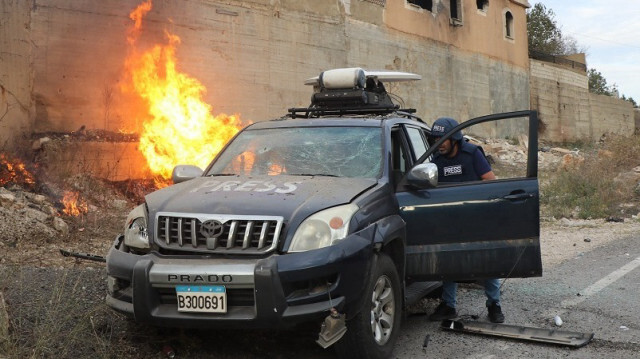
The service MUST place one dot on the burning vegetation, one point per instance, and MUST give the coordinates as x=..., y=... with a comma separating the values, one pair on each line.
x=73, y=204
x=14, y=171
x=181, y=127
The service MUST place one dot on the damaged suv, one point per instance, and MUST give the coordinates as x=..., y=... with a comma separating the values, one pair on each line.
x=331, y=214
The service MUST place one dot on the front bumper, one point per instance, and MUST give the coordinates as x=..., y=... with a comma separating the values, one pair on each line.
x=276, y=291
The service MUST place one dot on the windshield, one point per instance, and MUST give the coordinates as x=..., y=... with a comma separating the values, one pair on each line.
x=317, y=151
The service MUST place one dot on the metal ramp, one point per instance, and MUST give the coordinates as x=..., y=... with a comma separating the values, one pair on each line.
x=549, y=336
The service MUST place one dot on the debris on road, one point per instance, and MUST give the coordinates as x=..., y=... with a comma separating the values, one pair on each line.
x=550, y=336
x=169, y=352
x=557, y=321
x=426, y=342
x=91, y=257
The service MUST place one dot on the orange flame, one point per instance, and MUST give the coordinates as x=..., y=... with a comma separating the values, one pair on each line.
x=181, y=128
x=73, y=205
x=12, y=170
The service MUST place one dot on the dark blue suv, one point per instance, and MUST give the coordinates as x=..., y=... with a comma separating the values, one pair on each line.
x=331, y=214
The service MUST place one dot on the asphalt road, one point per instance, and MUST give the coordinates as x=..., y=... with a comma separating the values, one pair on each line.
x=596, y=292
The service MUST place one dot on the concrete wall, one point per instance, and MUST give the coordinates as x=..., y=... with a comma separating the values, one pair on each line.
x=568, y=111
x=114, y=161
x=253, y=57
x=17, y=111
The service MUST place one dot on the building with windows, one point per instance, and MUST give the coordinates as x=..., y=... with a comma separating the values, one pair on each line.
x=64, y=68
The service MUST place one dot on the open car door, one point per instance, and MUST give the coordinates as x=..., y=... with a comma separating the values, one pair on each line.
x=474, y=230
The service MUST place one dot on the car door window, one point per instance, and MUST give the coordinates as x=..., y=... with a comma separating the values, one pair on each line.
x=417, y=140
x=400, y=162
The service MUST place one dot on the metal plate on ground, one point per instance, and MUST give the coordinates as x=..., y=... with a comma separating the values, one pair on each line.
x=550, y=336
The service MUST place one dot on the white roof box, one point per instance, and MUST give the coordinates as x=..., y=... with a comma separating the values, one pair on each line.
x=355, y=77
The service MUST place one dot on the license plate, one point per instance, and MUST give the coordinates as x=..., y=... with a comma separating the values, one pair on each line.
x=202, y=299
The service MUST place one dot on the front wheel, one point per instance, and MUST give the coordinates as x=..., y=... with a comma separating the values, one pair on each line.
x=372, y=333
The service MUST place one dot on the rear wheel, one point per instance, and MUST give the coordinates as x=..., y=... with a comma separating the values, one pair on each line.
x=372, y=333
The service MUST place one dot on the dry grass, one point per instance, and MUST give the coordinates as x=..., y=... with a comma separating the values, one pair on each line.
x=596, y=188
x=57, y=320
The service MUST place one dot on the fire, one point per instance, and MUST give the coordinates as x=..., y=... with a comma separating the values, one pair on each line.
x=73, y=205
x=12, y=170
x=181, y=128
x=275, y=169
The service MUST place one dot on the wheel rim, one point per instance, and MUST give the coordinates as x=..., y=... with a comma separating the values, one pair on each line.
x=382, y=310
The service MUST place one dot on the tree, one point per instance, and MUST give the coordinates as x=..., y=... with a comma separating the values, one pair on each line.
x=543, y=32
x=598, y=84
x=545, y=35
x=630, y=99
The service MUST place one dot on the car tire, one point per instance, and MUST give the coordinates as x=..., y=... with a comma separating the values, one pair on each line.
x=372, y=333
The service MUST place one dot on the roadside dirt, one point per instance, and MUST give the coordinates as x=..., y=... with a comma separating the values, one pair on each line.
x=564, y=239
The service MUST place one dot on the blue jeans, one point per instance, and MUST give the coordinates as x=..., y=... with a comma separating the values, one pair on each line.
x=491, y=289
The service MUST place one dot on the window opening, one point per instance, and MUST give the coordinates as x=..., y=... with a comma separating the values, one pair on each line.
x=508, y=19
x=424, y=4
x=399, y=157
x=482, y=4
x=455, y=7
x=417, y=141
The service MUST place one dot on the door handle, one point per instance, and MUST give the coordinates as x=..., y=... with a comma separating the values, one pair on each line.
x=518, y=196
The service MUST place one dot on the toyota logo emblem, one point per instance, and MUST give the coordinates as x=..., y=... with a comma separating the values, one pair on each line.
x=211, y=228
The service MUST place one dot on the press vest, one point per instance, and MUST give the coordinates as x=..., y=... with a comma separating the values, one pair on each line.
x=459, y=168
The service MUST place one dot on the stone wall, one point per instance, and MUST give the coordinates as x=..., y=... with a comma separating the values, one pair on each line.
x=568, y=112
x=62, y=66
x=114, y=161
x=17, y=110
x=253, y=58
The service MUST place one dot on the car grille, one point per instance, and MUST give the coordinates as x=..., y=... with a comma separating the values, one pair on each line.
x=218, y=233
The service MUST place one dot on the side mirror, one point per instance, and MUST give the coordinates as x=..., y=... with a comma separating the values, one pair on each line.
x=424, y=175
x=183, y=173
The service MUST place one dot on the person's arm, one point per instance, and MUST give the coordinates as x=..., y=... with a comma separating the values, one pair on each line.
x=488, y=176
x=482, y=166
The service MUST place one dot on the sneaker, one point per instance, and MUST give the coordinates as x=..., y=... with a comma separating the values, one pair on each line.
x=443, y=312
x=495, y=313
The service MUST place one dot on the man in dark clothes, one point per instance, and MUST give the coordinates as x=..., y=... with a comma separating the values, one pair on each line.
x=460, y=161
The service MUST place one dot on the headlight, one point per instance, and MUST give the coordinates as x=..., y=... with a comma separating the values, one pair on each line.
x=135, y=229
x=323, y=229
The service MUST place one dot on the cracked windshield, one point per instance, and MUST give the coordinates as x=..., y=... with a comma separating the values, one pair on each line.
x=303, y=151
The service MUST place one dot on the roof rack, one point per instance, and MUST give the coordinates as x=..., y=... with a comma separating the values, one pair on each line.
x=307, y=112
x=353, y=91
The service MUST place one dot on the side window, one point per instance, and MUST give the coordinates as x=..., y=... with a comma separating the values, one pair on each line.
x=508, y=25
x=455, y=10
x=482, y=5
x=418, y=141
x=424, y=4
x=400, y=163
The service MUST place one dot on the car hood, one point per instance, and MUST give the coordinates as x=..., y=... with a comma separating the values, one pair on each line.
x=286, y=196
